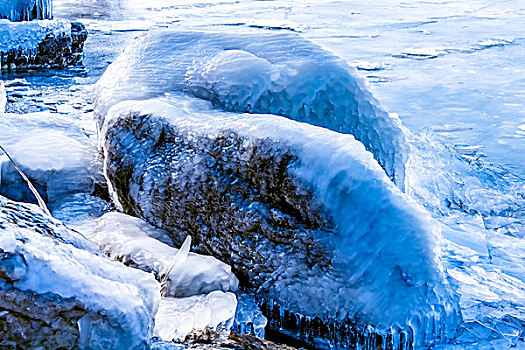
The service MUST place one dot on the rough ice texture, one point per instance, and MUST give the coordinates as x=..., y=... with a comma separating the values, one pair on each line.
x=56, y=155
x=26, y=10
x=276, y=73
x=303, y=214
x=249, y=319
x=47, y=43
x=58, y=291
x=178, y=317
x=136, y=243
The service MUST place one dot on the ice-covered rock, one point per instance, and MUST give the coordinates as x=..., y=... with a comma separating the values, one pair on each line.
x=178, y=317
x=26, y=10
x=276, y=73
x=56, y=155
x=304, y=215
x=35, y=44
x=138, y=244
x=58, y=291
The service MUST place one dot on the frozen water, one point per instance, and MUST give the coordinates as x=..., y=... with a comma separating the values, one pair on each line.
x=178, y=317
x=119, y=302
x=54, y=153
x=26, y=10
x=249, y=319
x=136, y=243
x=383, y=249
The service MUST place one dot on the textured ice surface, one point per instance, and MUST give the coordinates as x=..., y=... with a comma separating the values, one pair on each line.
x=304, y=213
x=27, y=36
x=280, y=73
x=114, y=305
x=138, y=244
x=53, y=152
x=249, y=319
x=26, y=10
x=178, y=317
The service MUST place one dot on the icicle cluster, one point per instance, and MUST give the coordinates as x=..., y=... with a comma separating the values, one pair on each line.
x=26, y=10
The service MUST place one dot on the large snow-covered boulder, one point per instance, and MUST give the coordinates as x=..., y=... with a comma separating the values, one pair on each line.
x=37, y=44
x=305, y=216
x=58, y=291
x=275, y=73
x=26, y=10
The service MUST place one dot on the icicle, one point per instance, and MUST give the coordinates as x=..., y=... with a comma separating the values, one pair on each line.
x=26, y=10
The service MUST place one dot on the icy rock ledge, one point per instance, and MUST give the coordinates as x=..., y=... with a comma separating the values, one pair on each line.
x=58, y=291
x=138, y=244
x=37, y=44
x=26, y=10
x=305, y=216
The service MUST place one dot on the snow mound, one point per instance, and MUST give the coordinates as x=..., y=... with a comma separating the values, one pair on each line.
x=46, y=268
x=26, y=10
x=57, y=156
x=275, y=73
x=136, y=243
x=303, y=213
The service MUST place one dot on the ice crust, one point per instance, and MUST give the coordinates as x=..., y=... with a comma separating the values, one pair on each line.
x=26, y=10
x=178, y=317
x=138, y=244
x=119, y=303
x=276, y=73
x=384, y=267
x=25, y=37
x=53, y=152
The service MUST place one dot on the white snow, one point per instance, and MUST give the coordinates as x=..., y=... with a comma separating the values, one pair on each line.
x=135, y=242
x=385, y=256
x=70, y=266
x=177, y=317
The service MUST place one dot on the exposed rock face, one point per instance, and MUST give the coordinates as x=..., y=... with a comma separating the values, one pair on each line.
x=37, y=44
x=58, y=292
x=304, y=215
